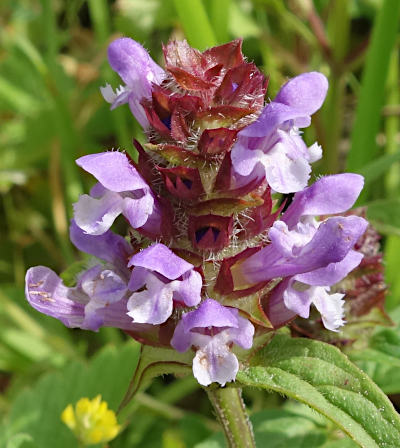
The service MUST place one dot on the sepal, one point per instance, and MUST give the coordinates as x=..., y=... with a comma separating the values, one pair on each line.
x=216, y=141
x=226, y=206
x=229, y=183
x=251, y=306
x=211, y=232
x=242, y=86
x=176, y=155
x=182, y=182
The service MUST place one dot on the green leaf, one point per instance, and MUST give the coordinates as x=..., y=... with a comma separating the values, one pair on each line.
x=387, y=377
x=216, y=441
x=381, y=360
x=25, y=334
x=155, y=361
x=70, y=275
x=21, y=440
x=322, y=377
x=193, y=430
x=377, y=356
x=341, y=443
x=276, y=428
x=17, y=98
x=36, y=412
x=384, y=214
x=374, y=170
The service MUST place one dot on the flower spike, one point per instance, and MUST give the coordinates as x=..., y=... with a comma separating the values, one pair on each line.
x=217, y=205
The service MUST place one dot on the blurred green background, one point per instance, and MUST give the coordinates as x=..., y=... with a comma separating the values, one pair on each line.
x=52, y=63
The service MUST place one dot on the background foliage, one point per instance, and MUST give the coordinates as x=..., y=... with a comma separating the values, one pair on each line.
x=52, y=63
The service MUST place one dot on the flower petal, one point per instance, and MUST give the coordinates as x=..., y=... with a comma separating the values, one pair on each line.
x=332, y=241
x=46, y=293
x=277, y=312
x=333, y=273
x=138, y=278
x=181, y=339
x=134, y=65
x=123, y=97
x=284, y=156
x=286, y=241
x=296, y=101
x=283, y=173
x=113, y=170
x=328, y=195
x=96, y=216
x=243, y=335
x=108, y=246
x=137, y=211
x=160, y=259
x=108, y=93
x=188, y=290
x=153, y=305
x=215, y=363
x=305, y=92
x=273, y=116
x=331, y=307
x=243, y=158
x=103, y=286
x=211, y=314
x=314, y=152
x=297, y=298
x=115, y=315
x=116, y=99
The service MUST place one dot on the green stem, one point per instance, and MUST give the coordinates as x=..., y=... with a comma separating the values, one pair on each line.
x=338, y=32
x=231, y=412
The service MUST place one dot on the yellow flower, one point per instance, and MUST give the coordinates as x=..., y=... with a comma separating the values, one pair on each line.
x=91, y=421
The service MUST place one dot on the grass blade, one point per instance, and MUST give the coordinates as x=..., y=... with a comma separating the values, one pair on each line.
x=375, y=169
x=219, y=14
x=368, y=113
x=195, y=23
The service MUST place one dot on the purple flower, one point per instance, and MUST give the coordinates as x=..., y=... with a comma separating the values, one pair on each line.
x=167, y=278
x=100, y=296
x=211, y=329
x=138, y=71
x=298, y=297
x=121, y=189
x=273, y=146
x=311, y=255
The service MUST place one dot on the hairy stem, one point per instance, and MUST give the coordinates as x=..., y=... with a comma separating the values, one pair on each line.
x=231, y=412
